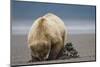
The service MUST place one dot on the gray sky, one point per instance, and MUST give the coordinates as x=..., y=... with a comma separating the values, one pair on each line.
x=76, y=17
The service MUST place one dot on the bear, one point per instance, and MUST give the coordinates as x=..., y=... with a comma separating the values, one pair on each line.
x=47, y=37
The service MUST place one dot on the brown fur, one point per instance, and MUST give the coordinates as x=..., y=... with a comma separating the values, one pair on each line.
x=46, y=39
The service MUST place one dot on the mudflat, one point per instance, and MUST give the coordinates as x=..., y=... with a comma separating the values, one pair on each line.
x=83, y=43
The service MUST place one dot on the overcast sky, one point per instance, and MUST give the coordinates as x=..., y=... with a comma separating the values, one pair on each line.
x=23, y=15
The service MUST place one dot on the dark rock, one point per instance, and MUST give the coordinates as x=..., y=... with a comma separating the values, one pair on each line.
x=69, y=47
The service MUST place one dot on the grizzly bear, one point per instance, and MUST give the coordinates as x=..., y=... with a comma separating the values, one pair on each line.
x=47, y=37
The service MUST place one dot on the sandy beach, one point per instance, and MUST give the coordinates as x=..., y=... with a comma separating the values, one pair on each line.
x=83, y=43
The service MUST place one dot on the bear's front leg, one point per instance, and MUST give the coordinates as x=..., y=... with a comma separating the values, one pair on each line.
x=55, y=49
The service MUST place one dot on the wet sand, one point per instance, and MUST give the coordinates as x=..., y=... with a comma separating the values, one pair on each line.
x=83, y=43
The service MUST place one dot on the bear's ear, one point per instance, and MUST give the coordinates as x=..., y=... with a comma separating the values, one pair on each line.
x=41, y=21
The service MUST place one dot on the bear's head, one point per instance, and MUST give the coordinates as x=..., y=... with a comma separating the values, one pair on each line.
x=40, y=50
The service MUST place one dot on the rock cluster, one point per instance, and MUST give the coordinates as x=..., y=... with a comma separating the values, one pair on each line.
x=68, y=52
